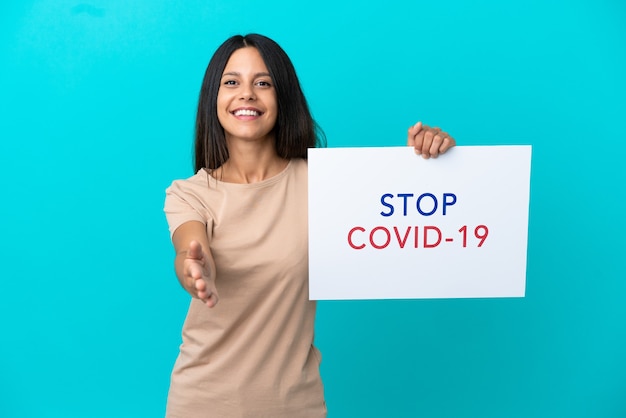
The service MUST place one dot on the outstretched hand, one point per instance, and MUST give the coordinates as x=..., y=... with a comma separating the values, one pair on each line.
x=198, y=278
x=429, y=142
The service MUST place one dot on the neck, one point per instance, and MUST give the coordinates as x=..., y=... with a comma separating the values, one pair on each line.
x=250, y=162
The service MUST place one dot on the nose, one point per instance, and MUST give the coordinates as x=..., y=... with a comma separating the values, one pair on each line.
x=247, y=93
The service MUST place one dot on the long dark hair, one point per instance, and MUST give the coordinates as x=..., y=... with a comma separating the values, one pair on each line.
x=295, y=129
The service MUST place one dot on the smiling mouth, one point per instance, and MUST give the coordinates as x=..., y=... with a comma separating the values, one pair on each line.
x=246, y=112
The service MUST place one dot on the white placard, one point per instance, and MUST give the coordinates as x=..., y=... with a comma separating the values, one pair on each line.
x=386, y=224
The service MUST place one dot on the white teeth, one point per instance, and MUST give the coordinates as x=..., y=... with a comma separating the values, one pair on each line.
x=246, y=112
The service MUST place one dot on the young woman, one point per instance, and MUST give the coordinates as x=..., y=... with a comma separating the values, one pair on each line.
x=239, y=228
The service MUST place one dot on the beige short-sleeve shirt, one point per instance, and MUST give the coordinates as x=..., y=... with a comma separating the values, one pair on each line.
x=252, y=355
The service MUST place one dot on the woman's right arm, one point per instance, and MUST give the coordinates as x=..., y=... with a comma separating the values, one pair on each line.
x=194, y=264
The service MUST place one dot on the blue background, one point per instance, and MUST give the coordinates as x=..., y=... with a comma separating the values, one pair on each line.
x=97, y=105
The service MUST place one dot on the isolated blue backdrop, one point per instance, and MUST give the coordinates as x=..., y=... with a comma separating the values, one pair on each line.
x=96, y=119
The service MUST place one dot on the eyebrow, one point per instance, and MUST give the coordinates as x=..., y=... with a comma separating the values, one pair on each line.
x=235, y=73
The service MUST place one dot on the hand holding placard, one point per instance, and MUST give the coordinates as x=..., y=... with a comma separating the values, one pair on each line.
x=429, y=142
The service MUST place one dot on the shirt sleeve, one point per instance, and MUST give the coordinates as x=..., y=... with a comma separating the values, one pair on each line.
x=183, y=203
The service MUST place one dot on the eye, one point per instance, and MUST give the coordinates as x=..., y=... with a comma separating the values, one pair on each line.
x=264, y=83
x=229, y=83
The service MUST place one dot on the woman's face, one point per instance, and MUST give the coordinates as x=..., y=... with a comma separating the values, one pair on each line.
x=246, y=99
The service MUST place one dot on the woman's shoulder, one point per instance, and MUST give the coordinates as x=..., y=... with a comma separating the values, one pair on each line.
x=299, y=167
x=198, y=180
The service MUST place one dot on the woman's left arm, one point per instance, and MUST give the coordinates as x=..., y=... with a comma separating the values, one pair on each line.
x=429, y=142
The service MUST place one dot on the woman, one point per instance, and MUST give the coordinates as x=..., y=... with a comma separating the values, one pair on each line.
x=239, y=228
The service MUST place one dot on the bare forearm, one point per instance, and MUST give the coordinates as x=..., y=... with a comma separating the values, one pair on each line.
x=179, y=268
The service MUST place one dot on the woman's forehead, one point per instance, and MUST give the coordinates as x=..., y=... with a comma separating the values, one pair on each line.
x=246, y=60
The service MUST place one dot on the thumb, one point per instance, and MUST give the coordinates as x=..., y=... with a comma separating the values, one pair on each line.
x=413, y=131
x=195, y=250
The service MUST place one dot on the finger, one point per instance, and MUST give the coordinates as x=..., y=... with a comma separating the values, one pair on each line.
x=204, y=295
x=195, y=270
x=208, y=296
x=194, y=286
x=413, y=130
x=419, y=140
x=200, y=285
x=441, y=143
x=212, y=300
x=433, y=150
x=202, y=290
x=195, y=250
x=436, y=145
x=427, y=143
x=448, y=143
